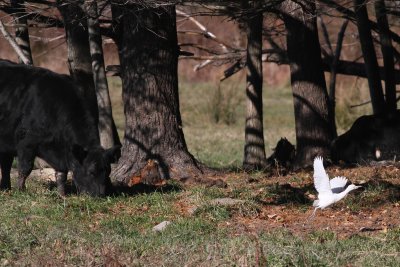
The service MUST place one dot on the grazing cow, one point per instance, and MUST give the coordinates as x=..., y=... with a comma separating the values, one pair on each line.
x=43, y=114
x=370, y=138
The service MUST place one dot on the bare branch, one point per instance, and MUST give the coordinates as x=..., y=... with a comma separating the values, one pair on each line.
x=200, y=47
x=201, y=33
x=230, y=56
x=326, y=35
x=202, y=65
x=14, y=44
x=203, y=28
x=235, y=68
x=351, y=16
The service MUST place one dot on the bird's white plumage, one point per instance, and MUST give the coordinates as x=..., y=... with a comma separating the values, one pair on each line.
x=338, y=184
x=329, y=191
x=321, y=179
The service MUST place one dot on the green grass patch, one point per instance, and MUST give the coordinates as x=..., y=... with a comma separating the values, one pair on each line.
x=37, y=226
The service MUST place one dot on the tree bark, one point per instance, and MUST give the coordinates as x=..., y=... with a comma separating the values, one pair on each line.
x=147, y=44
x=371, y=63
x=254, y=148
x=79, y=58
x=313, y=118
x=388, y=57
x=21, y=30
x=332, y=78
x=107, y=129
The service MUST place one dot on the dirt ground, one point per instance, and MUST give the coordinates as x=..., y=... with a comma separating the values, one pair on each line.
x=375, y=208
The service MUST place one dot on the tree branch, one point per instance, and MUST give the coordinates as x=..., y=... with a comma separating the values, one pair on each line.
x=351, y=15
x=14, y=44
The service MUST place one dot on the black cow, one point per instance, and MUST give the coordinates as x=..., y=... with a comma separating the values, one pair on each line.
x=44, y=114
x=370, y=138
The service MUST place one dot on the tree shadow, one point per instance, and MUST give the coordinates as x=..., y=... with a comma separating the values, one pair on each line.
x=373, y=194
x=376, y=192
x=284, y=194
x=119, y=189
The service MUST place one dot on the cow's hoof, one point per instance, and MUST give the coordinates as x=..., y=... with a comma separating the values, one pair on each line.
x=21, y=187
x=61, y=192
x=5, y=187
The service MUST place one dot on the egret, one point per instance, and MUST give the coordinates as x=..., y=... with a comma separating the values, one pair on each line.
x=329, y=191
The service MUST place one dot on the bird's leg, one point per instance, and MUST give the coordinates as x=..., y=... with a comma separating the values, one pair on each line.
x=312, y=216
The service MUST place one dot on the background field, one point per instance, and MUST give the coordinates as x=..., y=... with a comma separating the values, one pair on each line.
x=213, y=116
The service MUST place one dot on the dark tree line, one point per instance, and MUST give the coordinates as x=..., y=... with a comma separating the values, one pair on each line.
x=146, y=36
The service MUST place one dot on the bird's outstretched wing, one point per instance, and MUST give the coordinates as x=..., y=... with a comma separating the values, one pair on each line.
x=338, y=184
x=321, y=179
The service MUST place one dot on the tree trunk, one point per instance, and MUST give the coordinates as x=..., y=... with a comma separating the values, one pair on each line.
x=147, y=44
x=254, y=148
x=388, y=58
x=371, y=63
x=332, y=78
x=313, y=118
x=21, y=29
x=79, y=58
x=107, y=130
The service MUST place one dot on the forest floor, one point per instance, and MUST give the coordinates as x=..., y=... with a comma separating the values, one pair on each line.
x=256, y=220
x=286, y=202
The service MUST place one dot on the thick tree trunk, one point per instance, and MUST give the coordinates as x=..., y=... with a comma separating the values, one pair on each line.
x=147, y=43
x=254, y=148
x=107, y=130
x=21, y=29
x=313, y=118
x=388, y=57
x=371, y=63
x=79, y=58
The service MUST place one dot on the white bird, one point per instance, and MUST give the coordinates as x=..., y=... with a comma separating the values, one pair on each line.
x=329, y=191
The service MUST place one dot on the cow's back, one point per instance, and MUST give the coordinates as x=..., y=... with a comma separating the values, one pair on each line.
x=43, y=105
x=372, y=137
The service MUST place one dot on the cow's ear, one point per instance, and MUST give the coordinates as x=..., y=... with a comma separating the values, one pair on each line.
x=79, y=153
x=112, y=154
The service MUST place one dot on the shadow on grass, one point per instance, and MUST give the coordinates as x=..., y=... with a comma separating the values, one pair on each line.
x=286, y=194
x=268, y=172
x=120, y=189
x=373, y=194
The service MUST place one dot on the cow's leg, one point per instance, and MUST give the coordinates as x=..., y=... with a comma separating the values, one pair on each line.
x=6, y=163
x=61, y=179
x=26, y=157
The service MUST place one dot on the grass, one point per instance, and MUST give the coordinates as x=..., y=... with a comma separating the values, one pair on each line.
x=203, y=133
x=38, y=228
x=201, y=103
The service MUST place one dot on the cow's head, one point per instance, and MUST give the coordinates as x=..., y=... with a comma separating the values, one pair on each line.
x=91, y=169
x=344, y=148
